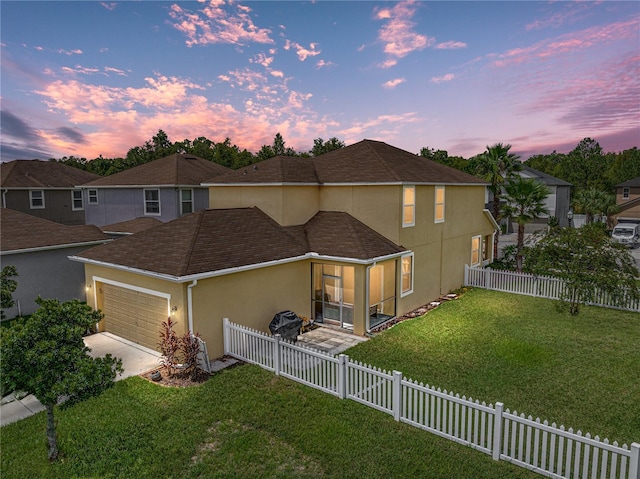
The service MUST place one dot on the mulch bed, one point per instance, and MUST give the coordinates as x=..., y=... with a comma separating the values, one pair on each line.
x=421, y=311
x=178, y=380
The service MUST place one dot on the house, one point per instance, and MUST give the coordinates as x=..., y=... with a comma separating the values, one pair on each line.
x=39, y=250
x=628, y=200
x=164, y=189
x=46, y=189
x=352, y=238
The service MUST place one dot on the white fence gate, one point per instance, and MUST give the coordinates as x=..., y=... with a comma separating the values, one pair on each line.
x=531, y=285
x=546, y=449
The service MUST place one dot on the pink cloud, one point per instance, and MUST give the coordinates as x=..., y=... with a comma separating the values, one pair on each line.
x=382, y=127
x=217, y=23
x=109, y=6
x=450, y=45
x=445, y=78
x=391, y=84
x=397, y=35
x=262, y=59
x=302, y=52
x=69, y=52
x=324, y=64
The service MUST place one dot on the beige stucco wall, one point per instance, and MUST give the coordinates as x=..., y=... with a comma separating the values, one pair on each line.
x=288, y=205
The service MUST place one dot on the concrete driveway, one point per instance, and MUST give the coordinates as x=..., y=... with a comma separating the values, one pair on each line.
x=136, y=359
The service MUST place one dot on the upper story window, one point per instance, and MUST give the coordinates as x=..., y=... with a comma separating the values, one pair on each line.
x=409, y=206
x=36, y=199
x=625, y=192
x=439, y=201
x=93, y=197
x=475, y=250
x=407, y=274
x=186, y=201
x=152, y=201
x=77, y=202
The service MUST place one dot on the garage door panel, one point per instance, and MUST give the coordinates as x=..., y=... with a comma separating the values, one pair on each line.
x=133, y=315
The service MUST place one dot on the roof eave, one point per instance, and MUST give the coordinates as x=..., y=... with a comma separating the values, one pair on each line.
x=53, y=247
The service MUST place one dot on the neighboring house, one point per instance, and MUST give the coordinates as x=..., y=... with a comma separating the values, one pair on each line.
x=39, y=250
x=164, y=189
x=558, y=203
x=46, y=189
x=628, y=200
x=352, y=238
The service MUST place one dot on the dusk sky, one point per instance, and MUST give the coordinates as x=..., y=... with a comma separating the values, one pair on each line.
x=97, y=78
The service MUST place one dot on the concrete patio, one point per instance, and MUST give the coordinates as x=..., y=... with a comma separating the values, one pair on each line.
x=329, y=340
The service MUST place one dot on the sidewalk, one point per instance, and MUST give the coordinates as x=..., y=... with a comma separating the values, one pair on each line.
x=136, y=359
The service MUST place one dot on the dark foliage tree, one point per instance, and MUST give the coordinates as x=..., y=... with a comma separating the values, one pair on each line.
x=8, y=287
x=589, y=262
x=46, y=356
x=321, y=147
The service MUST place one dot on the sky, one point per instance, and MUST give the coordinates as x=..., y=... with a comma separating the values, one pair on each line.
x=91, y=78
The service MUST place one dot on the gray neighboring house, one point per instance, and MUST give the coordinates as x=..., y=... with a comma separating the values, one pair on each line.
x=164, y=189
x=39, y=249
x=46, y=189
x=559, y=200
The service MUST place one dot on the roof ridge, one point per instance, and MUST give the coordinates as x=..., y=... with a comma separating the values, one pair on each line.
x=381, y=159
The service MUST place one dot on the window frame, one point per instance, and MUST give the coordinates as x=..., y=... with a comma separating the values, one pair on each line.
x=436, y=219
x=625, y=192
x=405, y=205
x=92, y=194
x=31, y=198
x=74, y=199
x=407, y=292
x=182, y=201
x=146, y=202
x=477, y=251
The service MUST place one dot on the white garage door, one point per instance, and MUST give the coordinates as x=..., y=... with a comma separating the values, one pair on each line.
x=133, y=315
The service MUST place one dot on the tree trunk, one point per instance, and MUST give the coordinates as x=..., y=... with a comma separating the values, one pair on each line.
x=520, y=246
x=51, y=434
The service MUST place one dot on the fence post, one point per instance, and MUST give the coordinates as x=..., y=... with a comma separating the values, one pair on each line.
x=343, y=361
x=276, y=354
x=397, y=395
x=487, y=278
x=225, y=335
x=466, y=275
x=497, y=431
x=634, y=463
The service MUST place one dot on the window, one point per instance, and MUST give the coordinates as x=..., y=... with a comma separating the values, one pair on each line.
x=186, y=201
x=77, y=203
x=439, y=211
x=409, y=206
x=475, y=250
x=486, y=249
x=625, y=193
x=36, y=199
x=407, y=274
x=152, y=202
x=93, y=197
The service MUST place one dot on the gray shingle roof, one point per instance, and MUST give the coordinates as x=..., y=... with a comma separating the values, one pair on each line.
x=366, y=162
x=42, y=174
x=135, y=225
x=20, y=231
x=544, y=177
x=176, y=169
x=214, y=240
x=634, y=182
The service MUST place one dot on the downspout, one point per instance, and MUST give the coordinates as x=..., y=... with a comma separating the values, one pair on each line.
x=4, y=198
x=190, y=304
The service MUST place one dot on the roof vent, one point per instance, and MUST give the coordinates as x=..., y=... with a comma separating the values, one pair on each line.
x=189, y=157
x=255, y=167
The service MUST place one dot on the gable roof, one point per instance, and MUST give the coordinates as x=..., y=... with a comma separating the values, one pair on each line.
x=366, y=162
x=218, y=241
x=543, y=177
x=42, y=174
x=634, y=182
x=172, y=170
x=20, y=231
x=135, y=225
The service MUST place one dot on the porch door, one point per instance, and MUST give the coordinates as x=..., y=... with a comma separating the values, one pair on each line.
x=334, y=309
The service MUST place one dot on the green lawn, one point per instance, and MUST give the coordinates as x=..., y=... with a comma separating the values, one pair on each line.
x=247, y=423
x=582, y=372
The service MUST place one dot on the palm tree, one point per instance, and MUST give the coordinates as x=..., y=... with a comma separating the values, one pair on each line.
x=525, y=199
x=593, y=202
x=496, y=166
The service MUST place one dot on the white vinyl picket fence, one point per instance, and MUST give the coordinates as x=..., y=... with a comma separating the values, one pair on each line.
x=531, y=285
x=546, y=449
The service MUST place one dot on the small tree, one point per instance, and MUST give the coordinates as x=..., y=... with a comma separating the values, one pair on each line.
x=8, y=287
x=47, y=357
x=588, y=261
x=169, y=347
